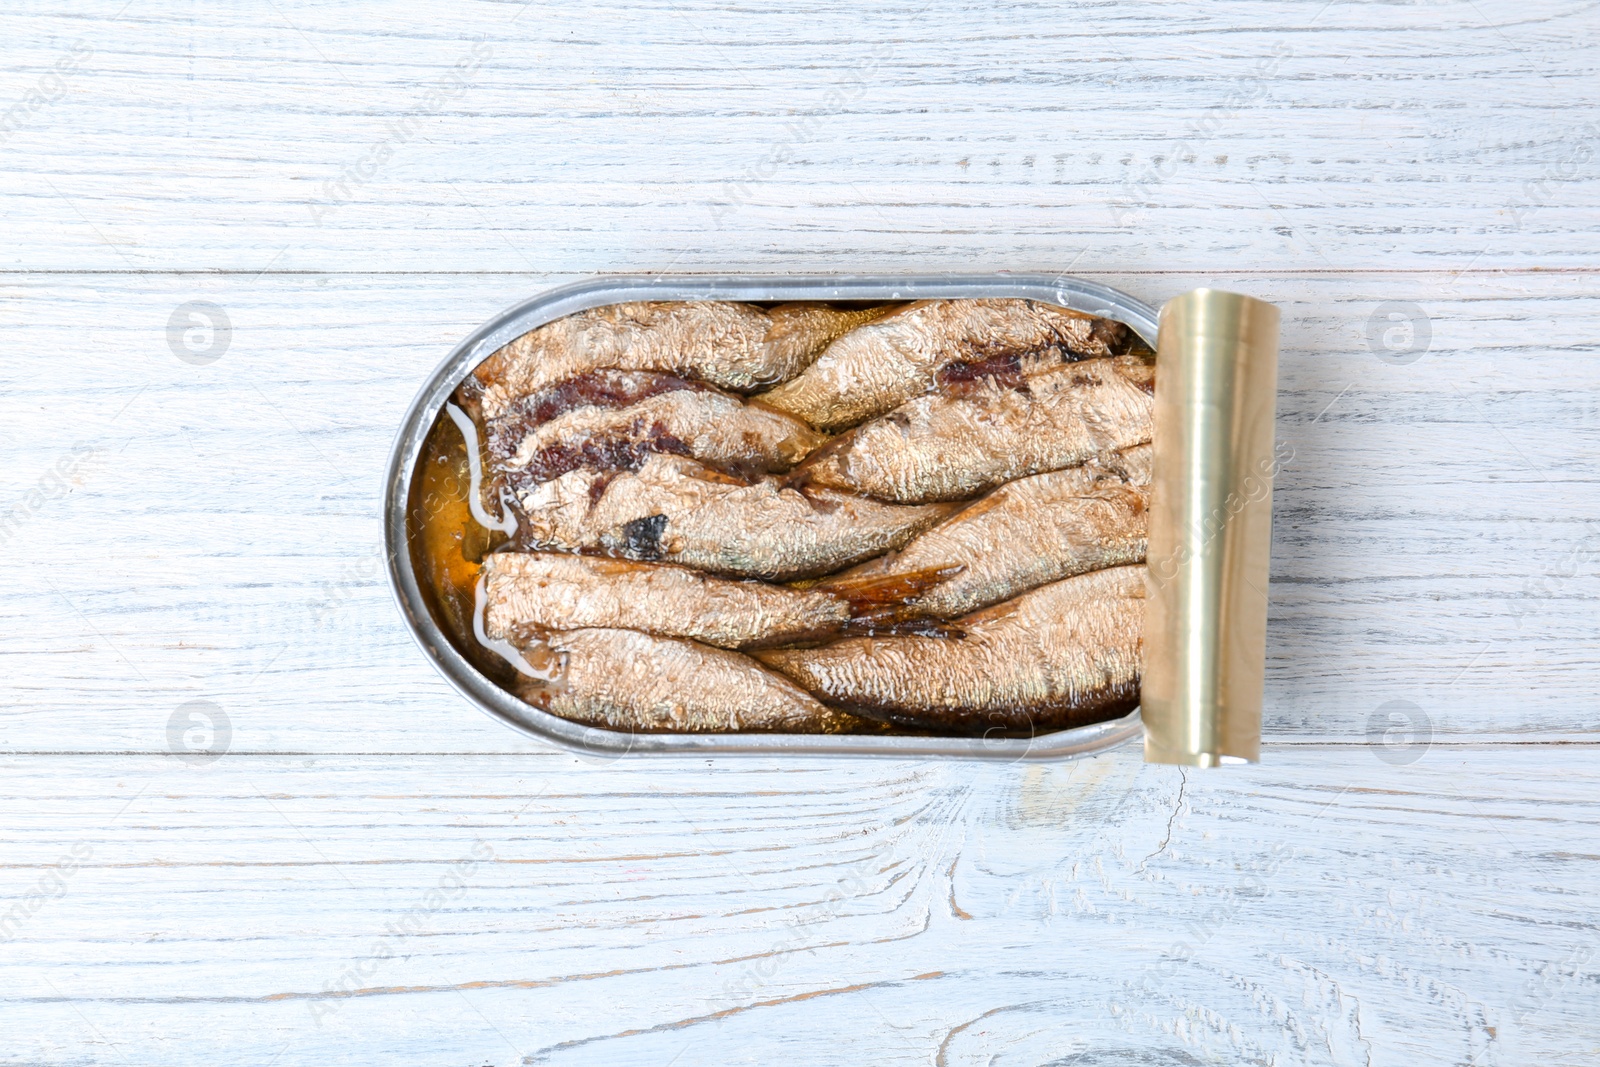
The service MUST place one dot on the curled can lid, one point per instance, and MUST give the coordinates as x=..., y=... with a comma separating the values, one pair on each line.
x=1210, y=529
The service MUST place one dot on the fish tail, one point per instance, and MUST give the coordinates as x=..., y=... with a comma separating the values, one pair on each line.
x=799, y=476
x=803, y=476
x=866, y=592
x=883, y=603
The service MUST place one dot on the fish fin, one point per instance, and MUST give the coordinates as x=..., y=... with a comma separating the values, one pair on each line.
x=802, y=475
x=874, y=592
x=799, y=476
x=883, y=603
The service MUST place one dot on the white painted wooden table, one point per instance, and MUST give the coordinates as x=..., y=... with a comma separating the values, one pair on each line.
x=374, y=873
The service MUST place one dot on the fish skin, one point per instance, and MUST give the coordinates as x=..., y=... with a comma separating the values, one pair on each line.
x=732, y=345
x=679, y=511
x=1061, y=655
x=1028, y=533
x=717, y=428
x=605, y=389
x=638, y=683
x=951, y=447
x=543, y=591
x=882, y=364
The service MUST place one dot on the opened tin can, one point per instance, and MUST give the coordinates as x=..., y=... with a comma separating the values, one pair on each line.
x=422, y=612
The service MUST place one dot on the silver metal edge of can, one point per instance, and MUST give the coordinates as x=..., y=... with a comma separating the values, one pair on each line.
x=1061, y=290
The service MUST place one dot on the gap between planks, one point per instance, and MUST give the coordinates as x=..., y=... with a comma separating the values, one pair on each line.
x=1266, y=272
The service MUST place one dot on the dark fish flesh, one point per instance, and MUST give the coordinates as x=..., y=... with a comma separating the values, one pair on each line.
x=610, y=420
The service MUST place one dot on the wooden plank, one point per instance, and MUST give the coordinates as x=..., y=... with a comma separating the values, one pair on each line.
x=374, y=873
x=1438, y=536
x=1324, y=908
x=570, y=137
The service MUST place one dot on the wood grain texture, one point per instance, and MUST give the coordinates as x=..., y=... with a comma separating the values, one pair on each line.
x=663, y=135
x=1325, y=908
x=375, y=873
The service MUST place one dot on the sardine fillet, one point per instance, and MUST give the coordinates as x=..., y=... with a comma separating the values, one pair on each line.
x=736, y=346
x=884, y=363
x=707, y=425
x=679, y=511
x=556, y=591
x=633, y=682
x=1028, y=533
x=1066, y=653
x=942, y=447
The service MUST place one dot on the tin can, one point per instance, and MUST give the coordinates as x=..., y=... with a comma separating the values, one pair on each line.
x=421, y=615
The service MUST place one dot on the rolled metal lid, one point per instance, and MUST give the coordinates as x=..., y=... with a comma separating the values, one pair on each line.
x=1210, y=529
